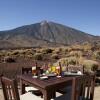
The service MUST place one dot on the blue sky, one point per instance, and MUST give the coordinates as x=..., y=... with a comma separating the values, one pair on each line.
x=80, y=14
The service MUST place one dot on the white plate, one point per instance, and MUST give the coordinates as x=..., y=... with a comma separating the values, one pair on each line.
x=69, y=73
x=51, y=75
x=35, y=76
x=58, y=76
x=44, y=77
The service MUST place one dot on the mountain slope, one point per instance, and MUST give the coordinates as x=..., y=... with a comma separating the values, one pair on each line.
x=43, y=33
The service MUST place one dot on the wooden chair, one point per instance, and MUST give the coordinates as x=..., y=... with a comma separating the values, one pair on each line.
x=88, y=86
x=73, y=68
x=83, y=87
x=10, y=91
x=25, y=70
x=28, y=88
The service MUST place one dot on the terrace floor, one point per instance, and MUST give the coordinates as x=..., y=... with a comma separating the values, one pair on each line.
x=96, y=94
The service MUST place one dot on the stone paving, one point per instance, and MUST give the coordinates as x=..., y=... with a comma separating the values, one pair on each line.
x=96, y=94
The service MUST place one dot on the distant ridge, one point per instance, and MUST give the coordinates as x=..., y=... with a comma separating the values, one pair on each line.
x=45, y=33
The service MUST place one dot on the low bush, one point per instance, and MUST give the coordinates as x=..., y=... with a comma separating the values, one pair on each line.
x=47, y=50
x=15, y=52
x=72, y=61
x=90, y=65
x=76, y=53
x=38, y=56
x=96, y=55
x=56, y=51
x=63, y=61
x=9, y=59
x=55, y=56
x=67, y=61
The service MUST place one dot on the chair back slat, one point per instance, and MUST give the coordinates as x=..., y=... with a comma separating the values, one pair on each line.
x=90, y=84
x=88, y=90
x=10, y=89
x=26, y=70
x=75, y=68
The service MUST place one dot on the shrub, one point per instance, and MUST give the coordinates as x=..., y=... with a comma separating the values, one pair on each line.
x=38, y=56
x=9, y=59
x=23, y=52
x=55, y=56
x=56, y=51
x=77, y=47
x=15, y=52
x=75, y=53
x=72, y=60
x=81, y=60
x=39, y=50
x=29, y=53
x=90, y=65
x=67, y=61
x=47, y=50
x=69, y=49
x=60, y=50
x=30, y=56
x=63, y=61
x=87, y=46
x=96, y=55
x=1, y=54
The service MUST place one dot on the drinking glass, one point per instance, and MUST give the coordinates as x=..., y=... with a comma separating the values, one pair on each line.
x=58, y=70
x=34, y=71
x=64, y=68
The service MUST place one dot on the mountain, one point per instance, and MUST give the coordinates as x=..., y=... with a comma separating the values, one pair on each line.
x=43, y=34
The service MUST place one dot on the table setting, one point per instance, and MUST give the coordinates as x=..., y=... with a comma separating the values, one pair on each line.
x=46, y=72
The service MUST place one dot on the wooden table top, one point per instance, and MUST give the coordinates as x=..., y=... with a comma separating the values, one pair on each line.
x=54, y=81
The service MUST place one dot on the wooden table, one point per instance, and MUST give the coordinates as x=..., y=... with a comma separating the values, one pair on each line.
x=47, y=87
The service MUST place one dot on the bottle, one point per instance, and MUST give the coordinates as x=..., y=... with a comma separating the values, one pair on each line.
x=44, y=69
x=53, y=68
x=60, y=68
x=38, y=71
x=49, y=68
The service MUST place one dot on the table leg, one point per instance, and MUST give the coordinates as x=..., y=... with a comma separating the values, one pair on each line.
x=47, y=95
x=22, y=87
x=53, y=94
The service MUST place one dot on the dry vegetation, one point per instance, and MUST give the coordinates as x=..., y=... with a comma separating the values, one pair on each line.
x=87, y=55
